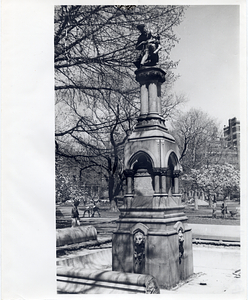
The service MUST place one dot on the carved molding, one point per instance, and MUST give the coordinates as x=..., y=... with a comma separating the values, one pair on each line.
x=139, y=226
x=142, y=173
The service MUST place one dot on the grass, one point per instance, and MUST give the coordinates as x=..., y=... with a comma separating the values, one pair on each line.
x=201, y=216
x=204, y=216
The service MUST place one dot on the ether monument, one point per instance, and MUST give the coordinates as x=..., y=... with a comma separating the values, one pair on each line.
x=152, y=236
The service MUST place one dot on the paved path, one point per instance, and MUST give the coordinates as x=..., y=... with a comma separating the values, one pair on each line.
x=216, y=271
x=199, y=231
x=216, y=232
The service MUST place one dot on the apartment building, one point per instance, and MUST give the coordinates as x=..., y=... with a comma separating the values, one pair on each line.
x=232, y=133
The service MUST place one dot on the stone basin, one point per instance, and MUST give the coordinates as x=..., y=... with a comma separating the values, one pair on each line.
x=92, y=273
x=214, y=269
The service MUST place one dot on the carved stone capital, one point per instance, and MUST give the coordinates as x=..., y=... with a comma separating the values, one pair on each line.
x=176, y=173
x=128, y=173
x=164, y=171
x=150, y=74
x=156, y=171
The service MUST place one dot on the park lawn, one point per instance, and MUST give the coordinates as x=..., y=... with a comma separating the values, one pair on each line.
x=201, y=216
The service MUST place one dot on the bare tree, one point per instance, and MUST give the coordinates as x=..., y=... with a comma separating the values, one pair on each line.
x=196, y=134
x=97, y=97
x=201, y=145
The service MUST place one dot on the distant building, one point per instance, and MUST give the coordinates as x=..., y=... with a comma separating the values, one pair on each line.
x=218, y=152
x=232, y=133
x=232, y=140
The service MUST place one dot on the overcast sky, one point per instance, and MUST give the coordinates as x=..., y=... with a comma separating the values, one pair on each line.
x=209, y=60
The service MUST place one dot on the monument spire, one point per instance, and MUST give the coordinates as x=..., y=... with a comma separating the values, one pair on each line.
x=152, y=235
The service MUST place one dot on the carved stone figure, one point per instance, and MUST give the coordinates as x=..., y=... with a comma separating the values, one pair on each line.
x=152, y=287
x=149, y=45
x=181, y=240
x=139, y=251
x=180, y=232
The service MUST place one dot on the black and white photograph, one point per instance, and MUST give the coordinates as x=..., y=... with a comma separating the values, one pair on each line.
x=147, y=159
x=124, y=151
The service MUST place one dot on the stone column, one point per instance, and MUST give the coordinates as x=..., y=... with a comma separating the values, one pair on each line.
x=159, y=109
x=129, y=185
x=143, y=99
x=128, y=198
x=168, y=181
x=129, y=178
x=150, y=80
x=176, y=181
x=156, y=196
x=157, y=184
x=163, y=181
x=152, y=97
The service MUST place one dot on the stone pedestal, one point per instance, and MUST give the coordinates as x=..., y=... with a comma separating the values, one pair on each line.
x=152, y=236
x=153, y=249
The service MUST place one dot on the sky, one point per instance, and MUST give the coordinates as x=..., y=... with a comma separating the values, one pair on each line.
x=209, y=60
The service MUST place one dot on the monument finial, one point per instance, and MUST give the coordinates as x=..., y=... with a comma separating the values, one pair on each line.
x=149, y=45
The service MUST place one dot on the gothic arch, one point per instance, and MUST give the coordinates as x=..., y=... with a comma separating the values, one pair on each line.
x=141, y=159
x=171, y=160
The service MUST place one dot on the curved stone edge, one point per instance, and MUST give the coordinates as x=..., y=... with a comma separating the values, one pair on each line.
x=96, y=260
x=148, y=282
x=67, y=236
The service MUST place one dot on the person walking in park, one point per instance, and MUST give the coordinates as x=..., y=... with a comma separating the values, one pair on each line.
x=75, y=220
x=223, y=210
x=84, y=199
x=88, y=209
x=95, y=208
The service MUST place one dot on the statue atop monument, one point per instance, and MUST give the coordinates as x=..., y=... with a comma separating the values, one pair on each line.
x=149, y=44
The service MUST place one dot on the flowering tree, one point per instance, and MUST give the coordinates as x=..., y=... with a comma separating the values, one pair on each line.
x=223, y=179
x=67, y=188
x=204, y=154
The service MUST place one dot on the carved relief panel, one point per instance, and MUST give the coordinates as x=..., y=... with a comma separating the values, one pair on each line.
x=180, y=231
x=139, y=251
x=139, y=240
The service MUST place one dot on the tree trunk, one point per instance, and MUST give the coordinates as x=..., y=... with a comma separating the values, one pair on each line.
x=210, y=200
x=112, y=200
x=196, y=200
x=186, y=196
x=225, y=198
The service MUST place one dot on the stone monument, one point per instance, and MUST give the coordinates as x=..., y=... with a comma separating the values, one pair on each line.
x=152, y=236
